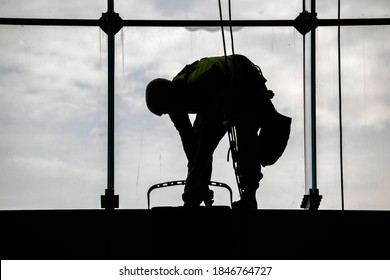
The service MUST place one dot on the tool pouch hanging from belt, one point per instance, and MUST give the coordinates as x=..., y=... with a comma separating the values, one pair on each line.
x=273, y=138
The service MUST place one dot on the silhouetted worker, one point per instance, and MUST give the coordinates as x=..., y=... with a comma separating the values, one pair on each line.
x=222, y=91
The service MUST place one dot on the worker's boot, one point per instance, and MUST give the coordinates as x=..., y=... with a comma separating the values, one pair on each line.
x=195, y=199
x=247, y=201
x=208, y=198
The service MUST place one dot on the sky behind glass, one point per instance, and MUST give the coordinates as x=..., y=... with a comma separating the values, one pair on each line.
x=53, y=99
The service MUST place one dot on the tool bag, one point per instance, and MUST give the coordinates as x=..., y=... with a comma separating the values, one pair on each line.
x=273, y=138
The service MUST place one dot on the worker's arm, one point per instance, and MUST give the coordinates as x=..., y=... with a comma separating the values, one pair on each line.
x=184, y=127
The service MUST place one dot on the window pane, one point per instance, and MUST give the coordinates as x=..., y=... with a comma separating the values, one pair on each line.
x=91, y=9
x=366, y=116
x=327, y=9
x=353, y=9
x=365, y=9
x=328, y=148
x=205, y=9
x=53, y=117
x=148, y=148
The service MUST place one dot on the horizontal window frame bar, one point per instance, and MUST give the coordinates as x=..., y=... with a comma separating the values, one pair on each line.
x=192, y=23
x=49, y=22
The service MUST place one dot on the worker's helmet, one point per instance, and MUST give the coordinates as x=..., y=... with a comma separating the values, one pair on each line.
x=159, y=96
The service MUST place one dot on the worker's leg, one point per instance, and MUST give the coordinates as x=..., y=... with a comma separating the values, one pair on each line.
x=209, y=130
x=248, y=160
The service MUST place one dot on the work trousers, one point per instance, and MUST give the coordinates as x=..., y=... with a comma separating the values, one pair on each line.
x=201, y=141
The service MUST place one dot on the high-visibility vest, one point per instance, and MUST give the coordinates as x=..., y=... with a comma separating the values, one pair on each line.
x=192, y=72
x=225, y=83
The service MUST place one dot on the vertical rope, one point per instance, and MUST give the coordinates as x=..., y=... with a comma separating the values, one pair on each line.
x=230, y=25
x=231, y=130
x=340, y=108
x=223, y=33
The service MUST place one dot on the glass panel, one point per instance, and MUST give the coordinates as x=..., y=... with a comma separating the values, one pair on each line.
x=91, y=9
x=353, y=9
x=310, y=108
x=53, y=117
x=366, y=116
x=327, y=9
x=205, y=9
x=365, y=9
x=328, y=148
x=278, y=9
x=148, y=148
